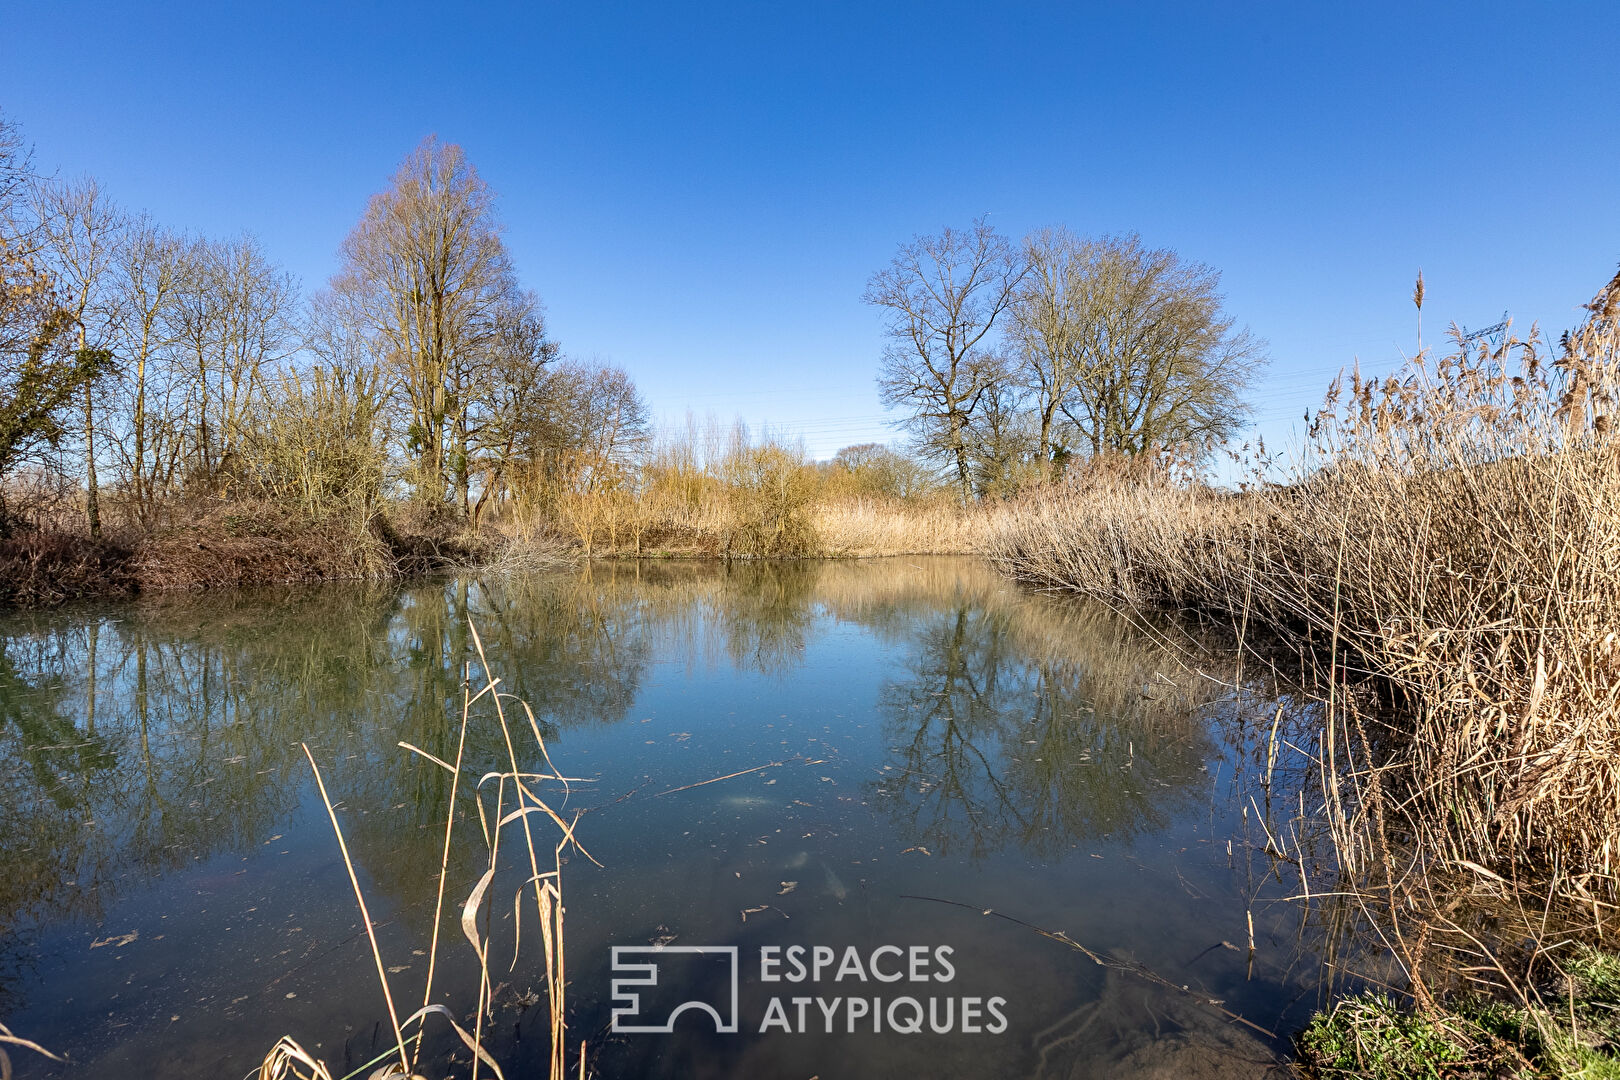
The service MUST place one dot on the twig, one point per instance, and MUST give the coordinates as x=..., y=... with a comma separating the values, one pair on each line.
x=717, y=779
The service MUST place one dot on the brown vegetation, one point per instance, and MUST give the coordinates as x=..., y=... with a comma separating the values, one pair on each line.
x=41, y=569
x=719, y=492
x=1453, y=545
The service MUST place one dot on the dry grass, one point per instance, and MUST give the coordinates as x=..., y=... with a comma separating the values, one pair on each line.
x=241, y=544
x=715, y=492
x=865, y=527
x=516, y=800
x=1452, y=544
x=721, y=521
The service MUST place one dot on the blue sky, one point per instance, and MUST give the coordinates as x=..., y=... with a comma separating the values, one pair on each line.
x=699, y=192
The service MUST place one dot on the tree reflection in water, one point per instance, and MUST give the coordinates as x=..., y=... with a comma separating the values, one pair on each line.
x=142, y=741
x=1029, y=721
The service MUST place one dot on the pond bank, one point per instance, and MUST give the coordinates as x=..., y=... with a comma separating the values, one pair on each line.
x=249, y=545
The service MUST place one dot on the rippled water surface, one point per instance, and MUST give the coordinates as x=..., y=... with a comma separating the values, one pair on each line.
x=939, y=758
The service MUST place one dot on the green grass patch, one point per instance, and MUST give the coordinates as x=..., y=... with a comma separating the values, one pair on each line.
x=1573, y=1035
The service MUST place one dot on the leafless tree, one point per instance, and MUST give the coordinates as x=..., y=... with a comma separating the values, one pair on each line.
x=1043, y=334
x=16, y=179
x=586, y=426
x=80, y=232
x=1131, y=345
x=1002, y=441
x=877, y=469
x=147, y=277
x=318, y=432
x=941, y=297
x=424, y=272
x=41, y=374
x=234, y=318
x=515, y=386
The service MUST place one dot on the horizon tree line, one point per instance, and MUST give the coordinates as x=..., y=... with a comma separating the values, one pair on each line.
x=171, y=373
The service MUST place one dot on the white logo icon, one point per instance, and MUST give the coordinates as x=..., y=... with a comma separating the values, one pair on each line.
x=639, y=976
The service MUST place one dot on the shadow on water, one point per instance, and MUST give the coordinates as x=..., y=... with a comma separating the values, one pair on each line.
x=171, y=899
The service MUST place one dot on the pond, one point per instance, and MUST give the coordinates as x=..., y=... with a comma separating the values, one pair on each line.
x=885, y=778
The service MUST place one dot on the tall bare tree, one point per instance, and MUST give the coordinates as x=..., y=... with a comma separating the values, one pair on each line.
x=516, y=385
x=81, y=231
x=40, y=373
x=146, y=442
x=941, y=296
x=16, y=178
x=580, y=424
x=1132, y=345
x=424, y=272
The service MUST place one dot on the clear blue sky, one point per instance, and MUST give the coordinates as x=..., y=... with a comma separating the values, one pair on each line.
x=700, y=191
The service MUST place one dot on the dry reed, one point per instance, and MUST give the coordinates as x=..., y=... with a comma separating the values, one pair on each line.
x=1452, y=543
x=516, y=799
x=8, y=1039
x=861, y=527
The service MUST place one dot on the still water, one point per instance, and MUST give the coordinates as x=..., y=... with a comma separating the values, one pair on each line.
x=940, y=761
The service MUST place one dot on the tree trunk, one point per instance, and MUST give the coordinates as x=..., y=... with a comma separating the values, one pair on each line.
x=964, y=475
x=92, y=499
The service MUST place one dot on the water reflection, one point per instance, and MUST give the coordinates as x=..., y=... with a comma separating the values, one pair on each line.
x=967, y=718
x=1037, y=725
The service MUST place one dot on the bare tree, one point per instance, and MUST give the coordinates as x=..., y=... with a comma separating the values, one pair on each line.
x=515, y=393
x=147, y=279
x=942, y=296
x=1043, y=334
x=234, y=318
x=40, y=374
x=876, y=469
x=80, y=231
x=16, y=178
x=1132, y=346
x=423, y=272
x=1002, y=441
x=585, y=423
